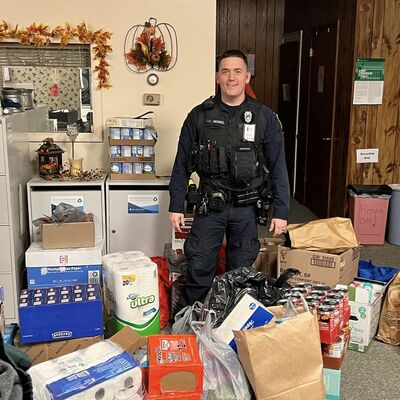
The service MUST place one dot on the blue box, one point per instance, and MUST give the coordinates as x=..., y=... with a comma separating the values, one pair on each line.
x=60, y=320
x=58, y=267
x=332, y=383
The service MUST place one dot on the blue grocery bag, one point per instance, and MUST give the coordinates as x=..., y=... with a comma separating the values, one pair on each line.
x=367, y=270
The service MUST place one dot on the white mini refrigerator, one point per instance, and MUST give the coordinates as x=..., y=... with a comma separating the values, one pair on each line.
x=137, y=216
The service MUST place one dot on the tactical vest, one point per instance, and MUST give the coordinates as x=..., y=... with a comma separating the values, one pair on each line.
x=223, y=158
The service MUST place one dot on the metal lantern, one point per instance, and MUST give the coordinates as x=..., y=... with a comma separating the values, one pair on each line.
x=50, y=159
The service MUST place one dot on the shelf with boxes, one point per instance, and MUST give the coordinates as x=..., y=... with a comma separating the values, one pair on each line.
x=131, y=148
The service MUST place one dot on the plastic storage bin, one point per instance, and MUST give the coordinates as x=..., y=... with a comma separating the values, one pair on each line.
x=368, y=209
x=393, y=232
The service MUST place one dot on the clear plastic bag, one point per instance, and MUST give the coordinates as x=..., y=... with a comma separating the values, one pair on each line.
x=224, y=378
x=185, y=317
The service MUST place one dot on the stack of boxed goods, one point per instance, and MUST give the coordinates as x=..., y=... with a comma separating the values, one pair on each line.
x=365, y=300
x=62, y=308
x=131, y=145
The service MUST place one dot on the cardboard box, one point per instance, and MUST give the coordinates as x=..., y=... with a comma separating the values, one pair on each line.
x=318, y=267
x=332, y=383
x=369, y=215
x=40, y=352
x=267, y=258
x=174, y=365
x=57, y=267
x=365, y=304
x=60, y=313
x=127, y=338
x=68, y=235
x=247, y=314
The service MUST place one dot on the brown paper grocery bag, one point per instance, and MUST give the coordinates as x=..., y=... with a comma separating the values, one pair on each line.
x=323, y=234
x=389, y=322
x=283, y=361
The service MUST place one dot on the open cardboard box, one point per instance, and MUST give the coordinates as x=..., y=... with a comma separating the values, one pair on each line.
x=40, y=352
x=127, y=338
x=68, y=235
x=317, y=267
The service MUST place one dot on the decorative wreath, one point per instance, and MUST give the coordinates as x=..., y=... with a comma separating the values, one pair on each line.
x=151, y=46
x=42, y=35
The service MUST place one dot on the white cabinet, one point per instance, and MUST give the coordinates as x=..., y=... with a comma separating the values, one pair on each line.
x=137, y=216
x=15, y=171
x=44, y=196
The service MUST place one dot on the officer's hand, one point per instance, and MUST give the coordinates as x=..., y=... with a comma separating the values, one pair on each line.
x=177, y=220
x=278, y=226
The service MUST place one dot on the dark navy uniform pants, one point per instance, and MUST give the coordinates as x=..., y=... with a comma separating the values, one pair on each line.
x=205, y=240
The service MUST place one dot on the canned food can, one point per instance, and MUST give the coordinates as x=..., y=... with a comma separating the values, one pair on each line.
x=148, y=151
x=115, y=151
x=137, y=134
x=299, y=290
x=116, y=168
x=126, y=133
x=326, y=318
x=127, y=168
x=126, y=151
x=148, y=168
x=345, y=293
x=318, y=293
x=115, y=133
x=149, y=134
x=322, y=288
x=304, y=285
x=139, y=151
x=137, y=168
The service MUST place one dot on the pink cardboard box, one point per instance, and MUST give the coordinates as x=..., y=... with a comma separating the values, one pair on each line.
x=369, y=216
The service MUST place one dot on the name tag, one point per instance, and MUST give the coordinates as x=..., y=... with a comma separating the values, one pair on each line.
x=249, y=132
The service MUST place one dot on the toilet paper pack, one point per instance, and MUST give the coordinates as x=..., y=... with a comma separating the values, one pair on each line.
x=101, y=371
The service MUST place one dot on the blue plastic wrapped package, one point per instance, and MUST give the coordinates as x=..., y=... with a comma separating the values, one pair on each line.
x=367, y=270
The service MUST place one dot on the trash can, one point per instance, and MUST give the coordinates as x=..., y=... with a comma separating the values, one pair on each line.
x=368, y=209
x=393, y=233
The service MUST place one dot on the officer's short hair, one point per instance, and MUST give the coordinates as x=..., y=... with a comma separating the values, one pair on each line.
x=232, y=53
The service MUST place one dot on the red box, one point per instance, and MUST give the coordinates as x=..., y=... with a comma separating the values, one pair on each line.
x=175, y=368
x=369, y=215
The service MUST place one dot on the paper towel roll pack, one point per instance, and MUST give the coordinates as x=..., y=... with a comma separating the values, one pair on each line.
x=101, y=371
x=131, y=293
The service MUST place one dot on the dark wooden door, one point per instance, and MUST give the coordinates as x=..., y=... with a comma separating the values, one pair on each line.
x=318, y=182
x=289, y=97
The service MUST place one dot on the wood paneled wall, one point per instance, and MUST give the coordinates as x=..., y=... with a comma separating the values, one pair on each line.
x=255, y=27
x=378, y=36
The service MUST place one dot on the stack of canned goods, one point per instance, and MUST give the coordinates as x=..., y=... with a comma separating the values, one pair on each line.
x=132, y=168
x=331, y=304
x=131, y=151
x=133, y=134
x=142, y=151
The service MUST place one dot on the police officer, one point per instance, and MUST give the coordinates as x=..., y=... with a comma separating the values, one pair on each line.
x=231, y=141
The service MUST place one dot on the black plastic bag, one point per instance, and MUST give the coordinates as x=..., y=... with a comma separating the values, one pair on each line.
x=227, y=290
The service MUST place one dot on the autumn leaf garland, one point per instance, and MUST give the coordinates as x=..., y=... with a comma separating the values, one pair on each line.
x=42, y=35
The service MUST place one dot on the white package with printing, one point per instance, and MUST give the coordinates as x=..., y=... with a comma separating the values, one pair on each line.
x=101, y=371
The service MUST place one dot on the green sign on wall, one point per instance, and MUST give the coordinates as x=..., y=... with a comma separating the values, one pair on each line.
x=368, y=81
x=370, y=69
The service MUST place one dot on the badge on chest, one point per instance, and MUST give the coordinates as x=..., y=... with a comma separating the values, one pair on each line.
x=249, y=126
